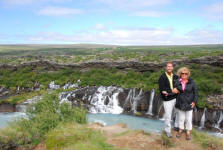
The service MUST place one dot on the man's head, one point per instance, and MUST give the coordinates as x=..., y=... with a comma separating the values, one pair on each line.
x=169, y=67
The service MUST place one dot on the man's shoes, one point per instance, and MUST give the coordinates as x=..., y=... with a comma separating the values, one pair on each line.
x=169, y=135
x=176, y=128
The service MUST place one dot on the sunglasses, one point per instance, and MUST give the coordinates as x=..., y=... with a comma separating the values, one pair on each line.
x=184, y=73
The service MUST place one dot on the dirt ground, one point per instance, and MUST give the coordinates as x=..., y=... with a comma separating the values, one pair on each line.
x=121, y=137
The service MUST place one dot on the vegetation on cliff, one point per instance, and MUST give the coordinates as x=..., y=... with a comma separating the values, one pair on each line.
x=209, y=80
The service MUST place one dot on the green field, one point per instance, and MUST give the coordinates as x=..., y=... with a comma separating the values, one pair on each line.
x=68, y=54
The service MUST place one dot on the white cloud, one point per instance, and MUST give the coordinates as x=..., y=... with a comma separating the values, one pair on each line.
x=119, y=36
x=17, y=2
x=214, y=11
x=205, y=36
x=132, y=4
x=29, y=2
x=145, y=8
x=59, y=11
x=215, y=8
x=99, y=27
x=148, y=13
x=142, y=36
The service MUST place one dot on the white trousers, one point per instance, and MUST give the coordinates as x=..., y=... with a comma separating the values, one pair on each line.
x=185, y=117
x=169, y=106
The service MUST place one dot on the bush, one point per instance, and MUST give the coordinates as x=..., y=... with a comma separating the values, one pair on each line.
x=41, y=117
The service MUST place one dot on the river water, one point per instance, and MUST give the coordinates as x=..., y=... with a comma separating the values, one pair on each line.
x=5, y=118
x=133, y=122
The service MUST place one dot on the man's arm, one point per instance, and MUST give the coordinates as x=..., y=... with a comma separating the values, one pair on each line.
x=162, y=86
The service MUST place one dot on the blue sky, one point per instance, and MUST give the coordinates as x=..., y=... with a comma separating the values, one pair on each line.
x=123, y=22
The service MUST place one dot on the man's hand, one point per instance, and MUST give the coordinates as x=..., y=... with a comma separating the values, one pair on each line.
x=175, y=90
x=165, y=93
x=192, y=105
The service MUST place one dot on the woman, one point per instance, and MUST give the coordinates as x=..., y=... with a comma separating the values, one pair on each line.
x=186, y=100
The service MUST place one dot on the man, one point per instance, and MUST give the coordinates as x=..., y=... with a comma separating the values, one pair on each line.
x=168, y=93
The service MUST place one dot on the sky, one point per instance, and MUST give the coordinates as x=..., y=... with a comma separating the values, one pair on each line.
x=118, y=22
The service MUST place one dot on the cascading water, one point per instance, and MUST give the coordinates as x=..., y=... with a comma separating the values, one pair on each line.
x=70, y=85
x=64, y=97
x=133, y=98
x=202, y=122
x=150, y=110
x=53, y=86
x=219, y=121
x=105, y=100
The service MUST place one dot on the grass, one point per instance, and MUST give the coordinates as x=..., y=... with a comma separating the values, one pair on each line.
x=166, y=141
x=75, y=136
x=207, y=141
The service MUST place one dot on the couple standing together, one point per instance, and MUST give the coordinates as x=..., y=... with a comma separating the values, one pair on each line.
x=179, y=93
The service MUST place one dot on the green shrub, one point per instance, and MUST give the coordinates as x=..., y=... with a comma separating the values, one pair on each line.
x=41, y=117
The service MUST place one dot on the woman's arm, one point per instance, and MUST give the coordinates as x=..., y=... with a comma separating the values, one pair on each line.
x=178, y=86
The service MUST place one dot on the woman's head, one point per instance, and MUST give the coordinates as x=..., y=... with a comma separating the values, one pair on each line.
x=183, y=73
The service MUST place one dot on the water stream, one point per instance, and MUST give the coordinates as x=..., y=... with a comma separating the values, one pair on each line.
x=150, y=110
x=133, y=122
x=202, y=119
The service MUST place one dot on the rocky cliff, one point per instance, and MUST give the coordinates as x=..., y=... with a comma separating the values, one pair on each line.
x=122, y=65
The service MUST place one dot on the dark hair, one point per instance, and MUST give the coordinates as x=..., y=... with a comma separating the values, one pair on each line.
x=169, y=63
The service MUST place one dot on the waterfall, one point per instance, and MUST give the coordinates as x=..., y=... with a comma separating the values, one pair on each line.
x=133, y=99
x=64, y=97
x=219, y=121
x=70, y=85
x=202, y=122
x=105, y=100
x=53, y=86
x=150, y=110
x=161, y=106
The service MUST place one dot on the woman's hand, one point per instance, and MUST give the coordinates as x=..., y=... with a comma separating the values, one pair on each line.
x=175, y=90
x=192, y=105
